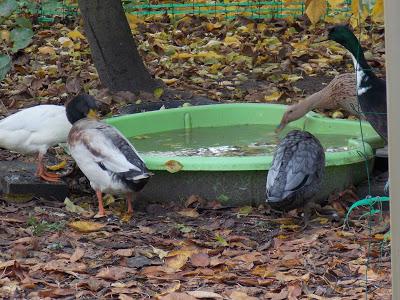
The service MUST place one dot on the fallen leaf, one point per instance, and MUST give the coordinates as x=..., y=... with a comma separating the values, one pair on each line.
x=86, y=226
x=173, y=166
x=178, y=296
x=71, y=207
x=274, y=96
x=205, y=294
x=189, y=212
x=315, y=10
x=160, y=253
x=46, y=50
x=124, y=297
x=238, y=295
x=200, y=259
x=114, y=273
x=124, y=252
x=176, y=262
x=294, y=291
x=75, y=35
x=244, y=211
x=146, y=230
x=77, y=255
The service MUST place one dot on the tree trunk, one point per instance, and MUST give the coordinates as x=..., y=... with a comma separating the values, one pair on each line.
x=113, y=48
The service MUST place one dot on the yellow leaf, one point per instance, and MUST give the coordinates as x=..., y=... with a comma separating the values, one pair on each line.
x=86, y=226
x=360, y=13
x=315, y=10
x=336, y=3
x=382, y=237
x=355, y=6
x=169, y=81
x=63, y=163
x=5, y=35
x=377, y=11
x=173, y=166
x=263, y=271
x=158, y=92
x=75, y=35
x=177, y=261
x=337, y=115
x=133, y=20
x=291, y=77
x=232, y=41
x=273, y=97
x=46, y=50
x=245, y=211
x=212, y=26
x=66, y=42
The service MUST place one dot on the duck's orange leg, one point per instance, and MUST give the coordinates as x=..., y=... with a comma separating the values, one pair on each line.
x=42, y=173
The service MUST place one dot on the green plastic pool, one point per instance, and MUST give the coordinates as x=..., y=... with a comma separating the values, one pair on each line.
x=226, y=149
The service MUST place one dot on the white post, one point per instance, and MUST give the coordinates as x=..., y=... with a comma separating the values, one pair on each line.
x=392, y=45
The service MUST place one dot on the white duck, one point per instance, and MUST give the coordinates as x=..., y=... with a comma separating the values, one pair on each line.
x=34, y=130
x=105, y=156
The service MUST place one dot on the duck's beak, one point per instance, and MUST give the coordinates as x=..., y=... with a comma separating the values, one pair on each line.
x=280, y=127
x=92, y=114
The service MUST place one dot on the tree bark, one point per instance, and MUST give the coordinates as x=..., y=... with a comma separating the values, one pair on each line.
x=113, y=48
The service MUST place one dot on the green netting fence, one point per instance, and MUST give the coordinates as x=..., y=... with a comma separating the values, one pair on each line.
x=47, y=10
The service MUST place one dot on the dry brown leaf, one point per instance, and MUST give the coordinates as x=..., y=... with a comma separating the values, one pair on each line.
x=294, y=291
x=64, y=265
x=114, y=273
x=176, y=262
x=125, y=297
x=124, y=252
x=146, y=230
x=189, y=212
x=200, y=259
x=205, y=294
x=56, y=292
x=239, y=295
x=178, y=296
x=77, y=255
x=46, y=50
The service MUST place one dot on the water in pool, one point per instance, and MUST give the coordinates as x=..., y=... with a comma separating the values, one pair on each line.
x=239, y=140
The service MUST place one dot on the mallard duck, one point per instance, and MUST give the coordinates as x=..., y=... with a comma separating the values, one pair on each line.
x=296, y=173
x=34, y=130
x=105, y=156
x=339, y=93
x=371, y=90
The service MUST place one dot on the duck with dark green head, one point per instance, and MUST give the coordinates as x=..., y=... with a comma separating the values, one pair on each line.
x=371, y=90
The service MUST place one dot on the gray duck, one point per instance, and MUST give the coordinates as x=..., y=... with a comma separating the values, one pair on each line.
x=296, y=173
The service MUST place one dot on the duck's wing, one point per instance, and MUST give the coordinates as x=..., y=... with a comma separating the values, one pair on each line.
x=112, y=152
x=295, y=166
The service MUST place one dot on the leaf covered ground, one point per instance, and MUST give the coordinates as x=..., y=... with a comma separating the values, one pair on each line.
x=273, y=61
x=197, y=251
